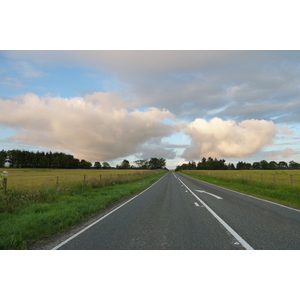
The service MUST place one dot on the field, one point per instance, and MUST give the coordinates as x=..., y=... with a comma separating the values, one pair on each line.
x=37, y=205
x=31, y=179
x=282, y=186
x=290, y=177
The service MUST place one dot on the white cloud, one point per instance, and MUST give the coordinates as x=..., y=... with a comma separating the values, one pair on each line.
x=96, y=127
x=219, y=138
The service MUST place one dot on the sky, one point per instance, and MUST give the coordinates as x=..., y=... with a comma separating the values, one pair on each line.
x=133, y=104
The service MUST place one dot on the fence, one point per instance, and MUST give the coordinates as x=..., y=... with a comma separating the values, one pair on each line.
x=63, y=181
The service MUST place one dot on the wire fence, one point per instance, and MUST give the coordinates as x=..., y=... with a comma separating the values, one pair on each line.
x=32, y=183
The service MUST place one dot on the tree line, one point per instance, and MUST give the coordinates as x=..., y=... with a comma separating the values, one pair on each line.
x=59, y=160
x=153, y=163
x=220, y=164
x=49, y=160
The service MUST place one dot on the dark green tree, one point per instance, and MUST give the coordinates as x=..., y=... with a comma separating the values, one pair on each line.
x=142, y=163
x=106, y=165
x=264, y=165
x=256, y=165
x=3, y=157
x=124, y=165
x=282, y=165
x=97, y=165
x=273, y=165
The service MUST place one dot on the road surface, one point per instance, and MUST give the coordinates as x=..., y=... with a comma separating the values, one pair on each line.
x=180, y=212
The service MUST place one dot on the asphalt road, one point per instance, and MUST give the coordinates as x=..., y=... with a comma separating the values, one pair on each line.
x=179, y=212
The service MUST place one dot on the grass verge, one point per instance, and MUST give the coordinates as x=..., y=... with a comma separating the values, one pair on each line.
x=22, y=226
x=280, y=193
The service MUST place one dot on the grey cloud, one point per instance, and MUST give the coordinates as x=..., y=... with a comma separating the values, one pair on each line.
x=191, y=84
x=155, y=147
x=152, y=151
x=168, y=145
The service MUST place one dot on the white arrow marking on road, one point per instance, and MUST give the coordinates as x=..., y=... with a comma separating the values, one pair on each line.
x=209, y=194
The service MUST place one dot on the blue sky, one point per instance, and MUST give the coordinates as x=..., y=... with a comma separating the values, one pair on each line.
x=181, y=105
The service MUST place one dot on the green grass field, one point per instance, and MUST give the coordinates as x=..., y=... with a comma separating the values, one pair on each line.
x=291, y=177
x=41, y=208
x=279, y=186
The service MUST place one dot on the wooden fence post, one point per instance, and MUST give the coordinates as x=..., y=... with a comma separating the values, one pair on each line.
x=57, y=182
x=291, y=179
x=4, y=186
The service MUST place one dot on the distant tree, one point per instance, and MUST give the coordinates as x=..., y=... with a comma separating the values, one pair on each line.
x=142, y=163
x=106, y=165
x=3, y=157
x=231, y=166
x=264, y=165
x=243, y=166
x=282, y=165
x=85, y=164
x=256, y=165
x=97, y=165
x=206, y=164
x=161, y=163
x=124, y=165
x=294, y=165
x=192, y=165
x=273, y=165
x=157, y=163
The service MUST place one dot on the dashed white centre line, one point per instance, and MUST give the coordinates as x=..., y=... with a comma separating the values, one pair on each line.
x=196, y=203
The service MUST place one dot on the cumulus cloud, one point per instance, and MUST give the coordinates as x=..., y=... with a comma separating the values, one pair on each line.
x=219, y=138
x=94, y=127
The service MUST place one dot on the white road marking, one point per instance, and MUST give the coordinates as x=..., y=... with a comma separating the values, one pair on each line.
x=81, y=231
x=232, y=232
x=209, y=194
x=196, y=204
x=254, y=197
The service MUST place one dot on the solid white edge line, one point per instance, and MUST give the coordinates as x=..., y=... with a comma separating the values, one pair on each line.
x=254, y=197
x=232, y=232
x=92, y=224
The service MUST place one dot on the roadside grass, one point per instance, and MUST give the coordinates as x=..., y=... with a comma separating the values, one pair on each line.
x=278, y=192
x=53, y=211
